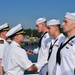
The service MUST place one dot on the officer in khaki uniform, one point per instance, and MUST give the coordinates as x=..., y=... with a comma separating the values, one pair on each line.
x=41, y=50
x=53, y=26
x=15, y=60
x=3, y=43
x=67, y=50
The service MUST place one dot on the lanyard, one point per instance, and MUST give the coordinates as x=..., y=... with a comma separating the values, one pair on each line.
x=50, y=49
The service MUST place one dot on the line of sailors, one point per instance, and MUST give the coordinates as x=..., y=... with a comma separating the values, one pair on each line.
x=56, y=52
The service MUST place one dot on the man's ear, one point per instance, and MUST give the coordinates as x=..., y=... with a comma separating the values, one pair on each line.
x=56, y=28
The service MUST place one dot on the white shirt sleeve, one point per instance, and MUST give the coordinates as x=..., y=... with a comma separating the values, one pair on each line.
x=43, y=60
x=1, y=50
x=43, y=55
x=22, y=60
x=43, y=52
x=36, y=50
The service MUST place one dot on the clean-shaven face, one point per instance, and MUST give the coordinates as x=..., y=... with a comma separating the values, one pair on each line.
x=4, y=34
x=67, y=25
x=51, y=30
x=39, y=27
x=20, y=37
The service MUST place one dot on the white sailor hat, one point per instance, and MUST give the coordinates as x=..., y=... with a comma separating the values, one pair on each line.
x=40, y=20
x=4, y=27
x=15, y=30
x=53, y=22
x=70, y=15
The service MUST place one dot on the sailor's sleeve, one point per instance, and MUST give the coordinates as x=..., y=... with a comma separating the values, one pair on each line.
x=22, y=60
x=44, y=55
x=36, y=50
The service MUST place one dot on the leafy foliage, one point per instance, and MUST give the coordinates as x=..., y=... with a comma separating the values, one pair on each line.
x=33, y=32
x=36, y=34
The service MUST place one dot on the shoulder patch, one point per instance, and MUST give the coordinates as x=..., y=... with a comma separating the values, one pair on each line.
x=1, y=41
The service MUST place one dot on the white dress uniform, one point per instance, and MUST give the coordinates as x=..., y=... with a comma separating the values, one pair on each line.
x=67, y=53
x=15, y=60
x=52, y=59
x=3, y=42
x=68, y=58
x=42, y=52
x=3, y=45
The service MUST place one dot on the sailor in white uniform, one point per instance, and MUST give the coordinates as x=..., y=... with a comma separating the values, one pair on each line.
x=41, y=50
x=67, y=50
x=15, y=59
x=53, y=26
x=3, y=43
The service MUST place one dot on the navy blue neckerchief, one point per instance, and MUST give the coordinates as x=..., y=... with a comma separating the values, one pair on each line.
x=41, y=39
x=58, y=57
x=50, y=49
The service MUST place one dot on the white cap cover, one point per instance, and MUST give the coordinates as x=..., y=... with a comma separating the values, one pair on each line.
x=70, y=15
x=4, y=26
x=14, y=30
x=40, y=20
x=53, y=22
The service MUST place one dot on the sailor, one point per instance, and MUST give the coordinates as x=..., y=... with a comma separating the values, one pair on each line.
x=67, y=51
x=53, y=26
x=15, y=59
x=3, y=43
x=41, y=50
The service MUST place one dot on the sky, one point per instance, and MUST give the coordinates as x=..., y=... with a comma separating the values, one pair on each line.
x=27, y=12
